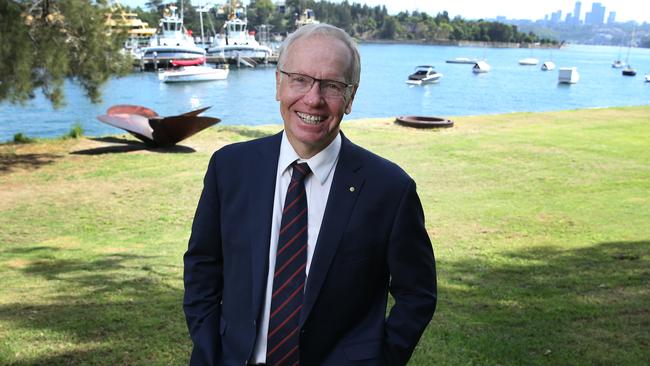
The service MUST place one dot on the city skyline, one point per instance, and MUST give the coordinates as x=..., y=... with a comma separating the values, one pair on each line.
x=626, y=10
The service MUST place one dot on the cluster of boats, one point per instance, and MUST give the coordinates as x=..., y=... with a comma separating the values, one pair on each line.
x=427, y=74
x=174, y=53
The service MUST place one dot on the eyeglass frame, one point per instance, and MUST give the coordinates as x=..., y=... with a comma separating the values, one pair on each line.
x=320, y=82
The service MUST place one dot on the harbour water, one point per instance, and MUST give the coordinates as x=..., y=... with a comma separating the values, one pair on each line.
x=248, y=95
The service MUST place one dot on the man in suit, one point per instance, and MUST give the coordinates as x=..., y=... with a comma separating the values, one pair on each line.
x=299, y=237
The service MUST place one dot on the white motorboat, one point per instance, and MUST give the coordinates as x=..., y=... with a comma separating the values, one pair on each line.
x=193, y=73
x=461, y=60
x=424, y=74
x=568, y=75
x=647, y=77
x=237, y=41
x=548, y=66
x=171, y=43
x=618, y=64
x=529, y=61
x=481, y=67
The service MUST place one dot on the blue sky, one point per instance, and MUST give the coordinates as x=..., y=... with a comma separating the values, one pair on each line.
x=638, y=10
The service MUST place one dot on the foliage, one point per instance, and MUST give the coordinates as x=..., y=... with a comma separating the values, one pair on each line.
x=76, y=131
x=363, y=22
x=21, y=138
x=44, y=42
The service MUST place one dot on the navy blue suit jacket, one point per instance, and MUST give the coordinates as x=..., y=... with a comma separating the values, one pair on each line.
x=372, y=240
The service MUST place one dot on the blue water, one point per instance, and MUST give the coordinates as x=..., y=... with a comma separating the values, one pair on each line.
x=248, y=96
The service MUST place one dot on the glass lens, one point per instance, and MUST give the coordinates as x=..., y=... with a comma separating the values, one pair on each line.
x=329, y=88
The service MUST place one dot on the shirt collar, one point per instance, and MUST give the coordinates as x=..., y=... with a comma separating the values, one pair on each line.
x=321, y=164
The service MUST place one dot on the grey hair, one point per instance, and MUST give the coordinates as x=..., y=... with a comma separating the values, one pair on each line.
x=322, y=29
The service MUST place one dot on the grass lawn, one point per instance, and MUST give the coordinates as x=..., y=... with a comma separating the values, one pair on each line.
x=540, y=223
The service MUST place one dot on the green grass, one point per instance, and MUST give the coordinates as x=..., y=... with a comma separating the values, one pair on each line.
x=540, y=224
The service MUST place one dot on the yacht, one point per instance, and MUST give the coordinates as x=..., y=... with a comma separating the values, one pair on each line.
x=193, y=73
x=461, y=60
x=171, y=43
x=568, y=75
x=424, y=74
x=481, y=67
x=628, y=71
x=618, y=64
x=529, y=61
x=548, y=66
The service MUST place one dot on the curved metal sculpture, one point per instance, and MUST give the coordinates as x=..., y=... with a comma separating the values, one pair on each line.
x=148, y=126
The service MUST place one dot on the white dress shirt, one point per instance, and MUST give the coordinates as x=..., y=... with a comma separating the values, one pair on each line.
x=317, y=189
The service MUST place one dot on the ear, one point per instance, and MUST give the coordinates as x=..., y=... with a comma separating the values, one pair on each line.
x=277, y=85
x=348, y=105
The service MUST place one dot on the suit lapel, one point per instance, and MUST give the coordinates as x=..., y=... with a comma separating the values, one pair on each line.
x=260, y=216
x=346, y=186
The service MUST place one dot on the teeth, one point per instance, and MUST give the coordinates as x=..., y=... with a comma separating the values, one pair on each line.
x=308, y=118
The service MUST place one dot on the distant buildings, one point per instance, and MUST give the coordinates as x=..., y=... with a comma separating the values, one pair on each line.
x=575, y=20
x=596, y=16
x=611, y=18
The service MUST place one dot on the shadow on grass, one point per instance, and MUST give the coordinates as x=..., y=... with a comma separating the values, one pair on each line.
x=11, y=162
x=127, y=145
x=116, y=309
x=544, y=306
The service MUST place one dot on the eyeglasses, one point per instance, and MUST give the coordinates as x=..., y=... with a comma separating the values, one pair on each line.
x=333, y=89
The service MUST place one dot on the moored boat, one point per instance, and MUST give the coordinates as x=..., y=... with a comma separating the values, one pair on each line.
x=548, y=66
x=172, y=43
x=424, y=74
x=462, y=60
x=568, y=75
x=481, y=67
x=529, y=61
x=617, y=64
x=238, y=42
x=193, y=73
x=628, y=71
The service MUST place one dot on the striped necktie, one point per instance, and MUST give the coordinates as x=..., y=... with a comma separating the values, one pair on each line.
x=289, y=276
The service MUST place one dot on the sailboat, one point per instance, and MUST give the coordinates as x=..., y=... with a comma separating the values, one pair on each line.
x=617, y=64
x=628, y=70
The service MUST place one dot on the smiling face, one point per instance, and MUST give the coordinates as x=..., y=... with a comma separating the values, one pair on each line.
x=312, y=121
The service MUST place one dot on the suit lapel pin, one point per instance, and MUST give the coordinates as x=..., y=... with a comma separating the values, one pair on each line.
x=351, y=189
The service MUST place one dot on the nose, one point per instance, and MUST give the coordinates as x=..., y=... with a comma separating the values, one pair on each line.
x=314, y=97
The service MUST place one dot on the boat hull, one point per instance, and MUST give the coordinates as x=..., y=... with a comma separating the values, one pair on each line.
x=528, y=62
x=192, y=74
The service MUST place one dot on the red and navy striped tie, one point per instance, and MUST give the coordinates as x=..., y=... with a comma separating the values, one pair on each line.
x=289, y=277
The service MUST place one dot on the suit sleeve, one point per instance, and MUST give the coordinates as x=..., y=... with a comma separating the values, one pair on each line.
x=203, y=274
x=413, y=279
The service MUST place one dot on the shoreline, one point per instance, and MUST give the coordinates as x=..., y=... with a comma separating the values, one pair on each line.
x=35, y=140
x=465, y=43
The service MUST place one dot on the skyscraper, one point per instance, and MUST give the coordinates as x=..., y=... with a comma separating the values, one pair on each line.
x=576, y=13
x=611, y=18
x=596, y=16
